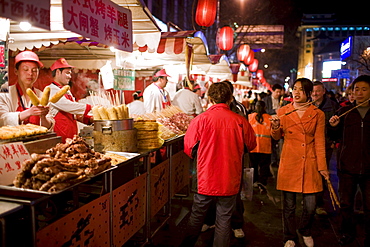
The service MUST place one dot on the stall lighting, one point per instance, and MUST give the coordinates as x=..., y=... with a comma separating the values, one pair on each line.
x=25, y=25
x=112, y=49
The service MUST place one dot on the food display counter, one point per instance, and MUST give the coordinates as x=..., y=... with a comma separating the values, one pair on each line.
x=107, y=209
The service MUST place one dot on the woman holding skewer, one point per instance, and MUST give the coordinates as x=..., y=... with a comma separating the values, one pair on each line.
x=302, y=161
x=351, y=127
x=16, y=106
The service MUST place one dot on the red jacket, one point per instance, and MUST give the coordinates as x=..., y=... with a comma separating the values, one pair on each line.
x=222, y=136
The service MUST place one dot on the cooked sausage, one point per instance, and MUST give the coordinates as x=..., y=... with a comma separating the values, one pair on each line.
x=35, y=101
x=45, y=96
x=56, y=97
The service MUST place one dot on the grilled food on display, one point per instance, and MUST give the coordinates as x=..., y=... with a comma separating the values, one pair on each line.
x=62, y=166
x=10, y=132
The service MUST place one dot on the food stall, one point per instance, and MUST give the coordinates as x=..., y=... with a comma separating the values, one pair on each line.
x=79, y=202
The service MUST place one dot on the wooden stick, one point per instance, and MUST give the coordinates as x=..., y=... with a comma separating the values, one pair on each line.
x=332, y=193
x=303, y=106
x=363, y=103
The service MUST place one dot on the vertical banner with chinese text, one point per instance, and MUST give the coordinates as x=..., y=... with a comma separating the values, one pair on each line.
x=37, y=13
x=100, y=20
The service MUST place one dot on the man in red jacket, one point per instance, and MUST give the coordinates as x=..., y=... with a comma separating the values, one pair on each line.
x=216, y=139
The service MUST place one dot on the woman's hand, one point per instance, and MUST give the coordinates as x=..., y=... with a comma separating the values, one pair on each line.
x=325, y=174
x=275, y=122
x=334, y=121
x=34, y=111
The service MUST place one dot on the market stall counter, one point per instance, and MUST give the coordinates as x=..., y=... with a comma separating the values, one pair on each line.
x=110, y=208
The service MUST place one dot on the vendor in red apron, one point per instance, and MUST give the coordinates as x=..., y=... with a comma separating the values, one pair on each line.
x=155, y=96
x=15, y=106
x=66, y=110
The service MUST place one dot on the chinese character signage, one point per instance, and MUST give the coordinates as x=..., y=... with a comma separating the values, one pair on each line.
x=100, y=20
x=124, y=79
x=12, y=156
x=37, y=13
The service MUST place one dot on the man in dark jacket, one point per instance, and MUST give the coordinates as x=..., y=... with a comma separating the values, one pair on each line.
x=329, y=107
x=353, y=132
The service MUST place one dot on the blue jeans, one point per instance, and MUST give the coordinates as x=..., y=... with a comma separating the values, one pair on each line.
x=308, y=213
x=224, y=209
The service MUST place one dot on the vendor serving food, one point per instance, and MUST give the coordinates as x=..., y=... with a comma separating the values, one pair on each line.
x=21, y=104
x=66, y=110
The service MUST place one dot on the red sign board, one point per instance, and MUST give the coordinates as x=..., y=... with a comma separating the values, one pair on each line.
x=37, y=13
x=100, y=20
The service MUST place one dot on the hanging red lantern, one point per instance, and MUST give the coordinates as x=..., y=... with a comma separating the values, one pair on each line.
x=225, y=39
x=253, y=66
x=259, y=74
x=206, y=12
x=248, y=60
x=243, y=52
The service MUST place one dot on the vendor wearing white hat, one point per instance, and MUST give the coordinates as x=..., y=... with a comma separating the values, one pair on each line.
x=15, y=106
x=66, y=110
x=156, y=97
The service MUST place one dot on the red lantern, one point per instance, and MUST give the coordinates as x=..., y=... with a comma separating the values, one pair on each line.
x=259, y=74
x=243, y=52
x=253, y=66
x=225, y=39
x=248, y=60
x=206, y=12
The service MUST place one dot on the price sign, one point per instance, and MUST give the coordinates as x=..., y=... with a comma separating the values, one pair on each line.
x=124, y=79
x=12, y=156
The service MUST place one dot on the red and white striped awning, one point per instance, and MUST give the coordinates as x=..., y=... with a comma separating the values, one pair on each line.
x=170, y=43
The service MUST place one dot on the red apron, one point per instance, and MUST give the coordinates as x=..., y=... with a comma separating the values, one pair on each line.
x=21, y=107
x=65, y=123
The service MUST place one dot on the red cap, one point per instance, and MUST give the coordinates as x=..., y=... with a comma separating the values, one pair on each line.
x=27, y=56
x=60, y=63
x=162, y=72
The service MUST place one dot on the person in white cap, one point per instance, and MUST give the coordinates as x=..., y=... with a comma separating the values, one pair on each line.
x=155, y=96
x=66, y=110
x=15, y=106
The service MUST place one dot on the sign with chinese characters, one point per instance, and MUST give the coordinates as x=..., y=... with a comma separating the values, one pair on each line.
x=100, y=20
x=12, y=156
x=37, y=13
x=124, y=79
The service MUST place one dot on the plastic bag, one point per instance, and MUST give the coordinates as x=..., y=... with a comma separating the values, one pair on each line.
x=247, y=184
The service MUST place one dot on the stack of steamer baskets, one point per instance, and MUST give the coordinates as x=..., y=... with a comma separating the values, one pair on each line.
x=114, y=130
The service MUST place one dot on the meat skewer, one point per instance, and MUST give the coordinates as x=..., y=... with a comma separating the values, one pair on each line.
x=303, y=106
x=363, y=103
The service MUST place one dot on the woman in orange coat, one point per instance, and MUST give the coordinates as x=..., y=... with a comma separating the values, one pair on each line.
x=261, y=156
x=302, y=161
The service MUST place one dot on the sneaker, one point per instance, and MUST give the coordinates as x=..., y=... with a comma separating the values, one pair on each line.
x=308, y=241
x=205, y=227
x=238, y=233
x=289, y=243
x=321, y=211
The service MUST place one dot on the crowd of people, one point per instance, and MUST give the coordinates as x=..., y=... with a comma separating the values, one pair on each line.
x=295, y=133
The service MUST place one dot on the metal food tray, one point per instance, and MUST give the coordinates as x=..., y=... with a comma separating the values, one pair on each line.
x=29, y=137
x=13, y=191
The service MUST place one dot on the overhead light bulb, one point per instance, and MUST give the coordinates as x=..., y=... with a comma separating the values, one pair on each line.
x=25, y=25
x=112, y=49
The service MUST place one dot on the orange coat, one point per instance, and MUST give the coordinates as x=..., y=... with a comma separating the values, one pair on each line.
x=262, y=132
x=303, y=154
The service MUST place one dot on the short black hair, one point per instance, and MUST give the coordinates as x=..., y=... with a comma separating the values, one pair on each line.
x=364, y=78
x=276, y=86
x=54, y=72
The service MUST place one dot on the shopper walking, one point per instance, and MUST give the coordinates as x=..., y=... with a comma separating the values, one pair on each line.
x=260, y=157
x=329, y=107
x=216, y=139
x=302, y=160
x=352, y=130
